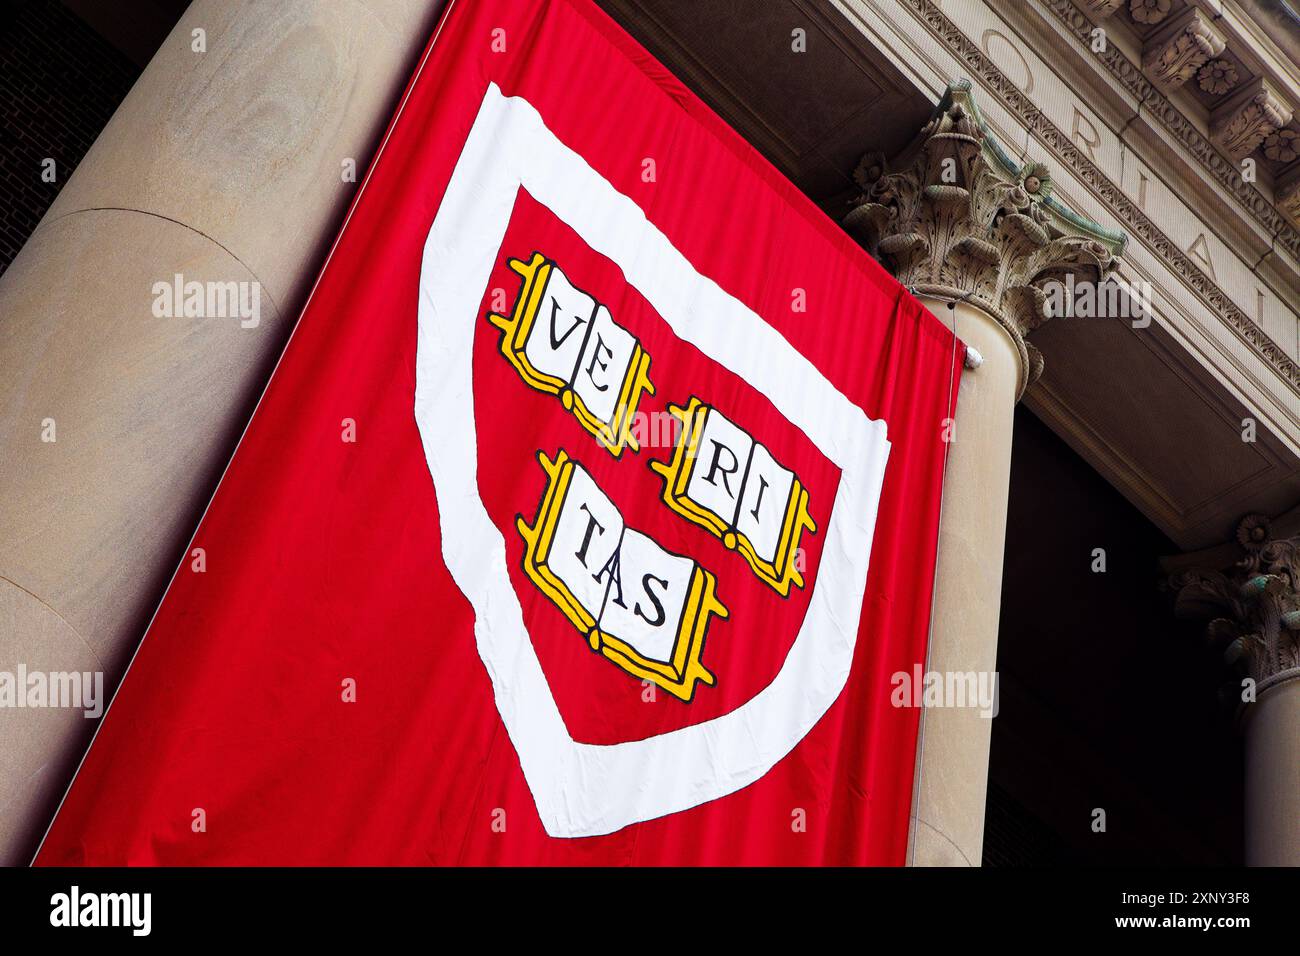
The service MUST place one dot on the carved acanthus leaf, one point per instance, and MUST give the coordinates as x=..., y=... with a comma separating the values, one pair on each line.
x=1253, y=607
x=953, y=218
x=1248, y=118
x=1287, y=196
x=1174, y=53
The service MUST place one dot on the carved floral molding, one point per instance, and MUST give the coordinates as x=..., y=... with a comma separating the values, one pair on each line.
x=1282, y=146
x=1134, y=219
x=1248, y=118
x=1252, y=607
x=1157, y=106
x=953, y=217
x=1217, y=77
x=1145, y=11
x=1177, y=51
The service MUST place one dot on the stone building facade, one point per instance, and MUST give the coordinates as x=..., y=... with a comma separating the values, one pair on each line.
x=982, y=150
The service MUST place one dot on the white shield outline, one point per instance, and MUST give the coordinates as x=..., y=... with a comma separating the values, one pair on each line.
x=590, y=789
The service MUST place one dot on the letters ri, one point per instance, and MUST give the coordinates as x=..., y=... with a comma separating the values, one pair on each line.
x=721, y=479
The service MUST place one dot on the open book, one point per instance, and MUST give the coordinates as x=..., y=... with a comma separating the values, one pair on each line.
x=643, y=607
x=721, y=479
x=563, y=342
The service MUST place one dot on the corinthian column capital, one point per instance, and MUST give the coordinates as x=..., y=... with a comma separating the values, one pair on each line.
x=1252, y=605
x=954, y=218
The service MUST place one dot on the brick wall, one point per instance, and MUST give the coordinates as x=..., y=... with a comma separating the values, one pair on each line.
x=59, y=83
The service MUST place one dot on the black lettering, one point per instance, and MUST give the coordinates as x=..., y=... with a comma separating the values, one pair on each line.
x=757, y=504
x=615, y=568
x=718, y=449
x=555, y=311
x=595, y=360
x=592, y=524
x=659, y=608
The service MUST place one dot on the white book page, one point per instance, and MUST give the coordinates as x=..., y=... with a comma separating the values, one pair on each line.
x=603, y=366
x=763, y=503
x=556, y=337
x=646, y=610
x=586, y=537
x=719, y=466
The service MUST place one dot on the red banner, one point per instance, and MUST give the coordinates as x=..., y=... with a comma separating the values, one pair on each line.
x=585, y=520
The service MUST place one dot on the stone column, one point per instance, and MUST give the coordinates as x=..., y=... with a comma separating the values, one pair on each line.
x=1250, y=593
x=228, y=162
x=979, y=240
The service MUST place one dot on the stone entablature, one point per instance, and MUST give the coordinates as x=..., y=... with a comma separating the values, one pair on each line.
x=1225, y=340
x=1251, y=105
x=1249, y=120
x=1223, y=243
x=1273, y=217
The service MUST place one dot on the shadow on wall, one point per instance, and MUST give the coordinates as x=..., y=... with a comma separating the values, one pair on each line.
x=64, y=68
x=1107, y=702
